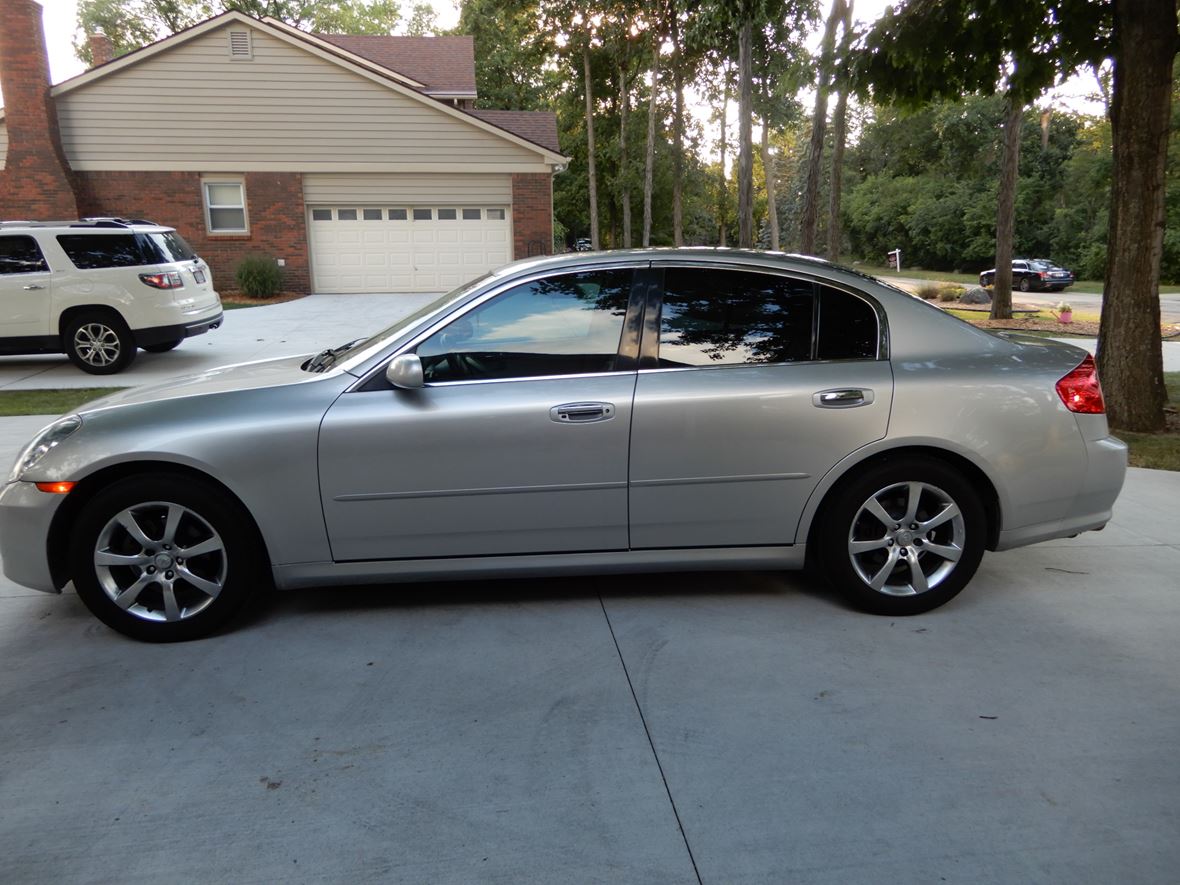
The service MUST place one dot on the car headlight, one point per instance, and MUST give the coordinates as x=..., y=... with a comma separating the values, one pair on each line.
x=49, y=438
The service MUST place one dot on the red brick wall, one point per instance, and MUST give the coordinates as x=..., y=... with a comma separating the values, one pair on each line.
x=274, y=206
x=36, y=182
x=532, y=214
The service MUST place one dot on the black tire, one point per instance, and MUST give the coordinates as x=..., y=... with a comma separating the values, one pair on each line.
x=1025, y=285
x=173, y=598
x=163, y=346
x=99, y=342
x=848, y=520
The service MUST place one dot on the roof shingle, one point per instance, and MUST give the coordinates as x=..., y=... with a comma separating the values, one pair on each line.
x=442, y=64
x=539, y=127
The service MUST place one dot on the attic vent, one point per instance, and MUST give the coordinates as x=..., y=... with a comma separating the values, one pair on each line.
x=239, y=45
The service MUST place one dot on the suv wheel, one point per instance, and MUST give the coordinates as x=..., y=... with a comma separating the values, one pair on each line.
x=99, y=343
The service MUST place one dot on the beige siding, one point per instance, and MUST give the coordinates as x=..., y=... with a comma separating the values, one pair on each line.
x=408, y=189
x=3, y=145
x=193, y=108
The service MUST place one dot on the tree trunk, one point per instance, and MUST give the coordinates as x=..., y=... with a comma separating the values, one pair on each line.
x=839, y=137
x=745, y=137
x=624, y=171
x=771, y=197
x=723, y=184
x=819, y=122
x=650, y=162
x=677, y=137
x=1006, y=209
x=1130, y=358
x=591, y=178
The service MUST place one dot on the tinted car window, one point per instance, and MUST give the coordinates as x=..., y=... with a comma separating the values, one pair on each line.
x=21, y=255
x=93, y=251
x=725, y=317
x=172, y=246
x=563, y=325
x=847, y=327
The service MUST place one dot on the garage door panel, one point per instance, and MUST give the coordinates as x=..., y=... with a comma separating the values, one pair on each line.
x=398, y=249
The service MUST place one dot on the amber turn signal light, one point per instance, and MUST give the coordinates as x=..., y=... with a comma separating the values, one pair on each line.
x=56, y=488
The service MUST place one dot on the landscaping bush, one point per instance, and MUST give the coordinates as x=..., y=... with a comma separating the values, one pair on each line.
x=949, y=293
x=259, y=276
x=929, y=291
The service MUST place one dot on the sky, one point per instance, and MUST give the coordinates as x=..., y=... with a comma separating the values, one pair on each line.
x=61, y=15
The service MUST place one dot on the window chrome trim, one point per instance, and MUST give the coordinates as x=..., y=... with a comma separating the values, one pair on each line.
x=498, y=288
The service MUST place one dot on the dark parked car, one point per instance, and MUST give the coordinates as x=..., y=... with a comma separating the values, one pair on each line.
x=1033, y=275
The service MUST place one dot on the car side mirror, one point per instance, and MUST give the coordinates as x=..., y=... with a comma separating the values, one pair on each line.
x=405, y=372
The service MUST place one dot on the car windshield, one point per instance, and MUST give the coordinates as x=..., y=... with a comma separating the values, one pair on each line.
x=327, y=358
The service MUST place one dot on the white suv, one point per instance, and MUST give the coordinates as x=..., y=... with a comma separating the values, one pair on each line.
x=99, y=288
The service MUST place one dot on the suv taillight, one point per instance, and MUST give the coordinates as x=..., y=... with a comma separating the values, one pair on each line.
x=162, y=280
x=1080, y=390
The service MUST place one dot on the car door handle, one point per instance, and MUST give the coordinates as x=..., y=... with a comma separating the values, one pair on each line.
x=581, y=413
x=33, y=287
x=842, y=398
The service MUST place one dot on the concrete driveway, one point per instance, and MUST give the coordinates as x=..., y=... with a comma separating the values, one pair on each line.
x=307, y=325
x=670, y=728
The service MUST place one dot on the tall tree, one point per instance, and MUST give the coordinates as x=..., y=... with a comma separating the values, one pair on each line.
x=1130, y=355
x=839, y=137
x=512, y=53
x=649, y=164
x=745, y=140
x=819, y=122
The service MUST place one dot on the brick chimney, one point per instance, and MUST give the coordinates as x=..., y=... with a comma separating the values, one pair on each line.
x=36, y=181
x=101, y=49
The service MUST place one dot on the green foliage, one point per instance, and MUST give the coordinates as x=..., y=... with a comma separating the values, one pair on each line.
x=259, y=276
x=929, y=291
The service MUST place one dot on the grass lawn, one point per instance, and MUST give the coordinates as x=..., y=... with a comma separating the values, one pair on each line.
x=49, y=402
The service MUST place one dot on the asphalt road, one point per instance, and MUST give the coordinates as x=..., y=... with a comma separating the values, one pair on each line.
x=691, y=728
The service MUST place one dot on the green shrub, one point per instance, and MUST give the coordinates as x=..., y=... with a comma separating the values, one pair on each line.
x=259, y=276
x=929, y=291
x=949, y=293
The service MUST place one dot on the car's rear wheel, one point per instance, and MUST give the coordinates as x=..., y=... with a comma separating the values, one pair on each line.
x=163, y=346
x=1025, y=285
x=904, y=537
x=99, y=343
x=164, y=558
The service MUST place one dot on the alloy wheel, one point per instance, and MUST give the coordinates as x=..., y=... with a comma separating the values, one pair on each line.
x=97, y=344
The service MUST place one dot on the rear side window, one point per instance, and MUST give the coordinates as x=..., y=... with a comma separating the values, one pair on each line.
x=93, y=251
x=847, y=327
x=714, y=317
x=172, y=246
x=21, y=255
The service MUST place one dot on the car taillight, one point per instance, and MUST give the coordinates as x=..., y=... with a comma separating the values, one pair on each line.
x=1043, y=275
x=162, y=280
x=1080, y=390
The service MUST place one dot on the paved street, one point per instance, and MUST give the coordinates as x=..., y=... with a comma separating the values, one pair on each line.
x=669, y=728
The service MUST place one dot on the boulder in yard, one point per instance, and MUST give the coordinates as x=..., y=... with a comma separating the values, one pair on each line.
x=976, y=295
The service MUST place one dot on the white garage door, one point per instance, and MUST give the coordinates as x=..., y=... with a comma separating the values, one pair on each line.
x=405, y=248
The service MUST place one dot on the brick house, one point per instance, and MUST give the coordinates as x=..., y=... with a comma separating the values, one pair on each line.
x=360, y=162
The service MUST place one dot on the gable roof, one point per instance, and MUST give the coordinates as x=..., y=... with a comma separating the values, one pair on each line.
x=324, y=48
x=443, y=65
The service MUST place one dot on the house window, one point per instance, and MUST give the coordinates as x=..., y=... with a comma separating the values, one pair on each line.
x=423, y=214
x=371, y=214
x=225, y=207
x=471, y=214
x=321, y=214
x=397, y=214
x=447, y=214
x=495, y=215
x=346, y=215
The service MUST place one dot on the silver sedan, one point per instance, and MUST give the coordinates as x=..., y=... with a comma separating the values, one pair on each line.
x=614, y=412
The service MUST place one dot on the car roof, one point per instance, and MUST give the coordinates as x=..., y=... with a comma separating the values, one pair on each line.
x=95, y=225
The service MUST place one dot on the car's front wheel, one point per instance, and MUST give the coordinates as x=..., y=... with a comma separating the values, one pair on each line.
x=904, y=537
x=164, y=558
x=99, y=343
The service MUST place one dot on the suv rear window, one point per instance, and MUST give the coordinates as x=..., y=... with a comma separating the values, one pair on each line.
x=93, y=251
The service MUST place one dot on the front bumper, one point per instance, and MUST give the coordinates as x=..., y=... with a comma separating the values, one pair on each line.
x=25, y=516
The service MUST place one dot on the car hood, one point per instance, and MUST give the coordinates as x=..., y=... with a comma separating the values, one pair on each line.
x=224, y=379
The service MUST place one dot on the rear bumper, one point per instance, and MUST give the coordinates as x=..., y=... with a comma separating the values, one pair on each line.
x=162, y=334
x=1106, y=469
x=25, y=515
